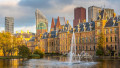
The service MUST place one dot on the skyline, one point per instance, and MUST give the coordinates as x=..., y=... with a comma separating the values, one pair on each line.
x=23, y=11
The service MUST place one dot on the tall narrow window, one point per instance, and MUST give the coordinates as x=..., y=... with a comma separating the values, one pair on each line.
x=52, y=43
x=79, y=47
x=86, y=39
x=106, y=39
x=110, y=30
x=115, y=38
x=76, y=48
x=66, y=47
x=86, y=47
x=115, y=47
x=94, y=47
x=90, y=39
x=90, y=47
x=83, y=47
x=76, y=40
x=106, y=47
x=79, y=40
x=111, y=39
x=111, y=46
x=82, y=40
x=115, y=30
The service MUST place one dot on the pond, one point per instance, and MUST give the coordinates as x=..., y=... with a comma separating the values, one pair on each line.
x=58, y=62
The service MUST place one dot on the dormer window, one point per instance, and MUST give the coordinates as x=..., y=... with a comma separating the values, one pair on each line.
x=90, y=26
x=113, y=22
x=84, y=27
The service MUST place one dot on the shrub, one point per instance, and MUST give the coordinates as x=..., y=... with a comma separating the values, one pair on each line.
x=24, y=51
x=39, y=52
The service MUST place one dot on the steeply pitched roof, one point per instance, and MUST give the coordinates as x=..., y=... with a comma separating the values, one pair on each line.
x=87, y=26
x=110, y=22
x=52, y=23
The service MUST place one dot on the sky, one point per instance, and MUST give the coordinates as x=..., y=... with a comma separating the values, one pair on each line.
x=23, y=11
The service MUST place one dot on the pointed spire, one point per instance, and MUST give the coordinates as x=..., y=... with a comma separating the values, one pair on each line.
x=52, y=24
x=58, y=22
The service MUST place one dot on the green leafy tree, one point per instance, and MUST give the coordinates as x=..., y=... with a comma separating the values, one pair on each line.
x=24, y=51
x=39, y=52
x=100, y=45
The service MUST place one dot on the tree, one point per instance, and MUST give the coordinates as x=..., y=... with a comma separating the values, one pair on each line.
x=14, y=45
x=39, y=52
x=24, y=51
x=100, y=45
x=8, y=43
x=5, y=42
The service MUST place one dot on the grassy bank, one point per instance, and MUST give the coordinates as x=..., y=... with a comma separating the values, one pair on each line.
x=10, y=57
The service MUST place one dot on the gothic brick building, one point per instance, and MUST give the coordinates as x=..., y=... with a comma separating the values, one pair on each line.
x=58, y=40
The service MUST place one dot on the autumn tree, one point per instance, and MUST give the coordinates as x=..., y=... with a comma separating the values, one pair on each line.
x=5, y=42
x=8, y=43
x=100, y=45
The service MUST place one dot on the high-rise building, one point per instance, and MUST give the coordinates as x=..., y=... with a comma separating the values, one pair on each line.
x=93, y=13
x=9, y=24
x=79, y=15
x=109, y=12
x=41, y=23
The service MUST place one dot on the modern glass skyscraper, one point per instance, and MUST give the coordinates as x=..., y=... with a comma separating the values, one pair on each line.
x=41, y=23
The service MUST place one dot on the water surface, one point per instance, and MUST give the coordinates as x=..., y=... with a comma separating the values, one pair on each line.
x=58, y=62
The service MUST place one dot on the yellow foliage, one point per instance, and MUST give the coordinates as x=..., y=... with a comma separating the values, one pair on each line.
x=8, y=43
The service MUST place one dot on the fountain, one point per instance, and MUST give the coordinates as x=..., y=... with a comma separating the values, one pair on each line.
x=73, y=58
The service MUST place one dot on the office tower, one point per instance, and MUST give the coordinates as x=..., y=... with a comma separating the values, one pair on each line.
x=41, y=22
x=9, y=24
x=79, y=15
x=109, y=12
x=93, y=13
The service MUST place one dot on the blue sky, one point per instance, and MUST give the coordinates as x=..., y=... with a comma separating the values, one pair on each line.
x=23, y=11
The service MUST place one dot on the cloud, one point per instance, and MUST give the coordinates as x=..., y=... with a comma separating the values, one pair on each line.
x=23, y=11
x=44, y=3
x=2, y=29
x=25, y=28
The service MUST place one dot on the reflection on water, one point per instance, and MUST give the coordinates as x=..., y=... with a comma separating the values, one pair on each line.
x=57, y=62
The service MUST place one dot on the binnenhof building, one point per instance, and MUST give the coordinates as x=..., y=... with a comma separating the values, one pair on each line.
x=58, y=40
